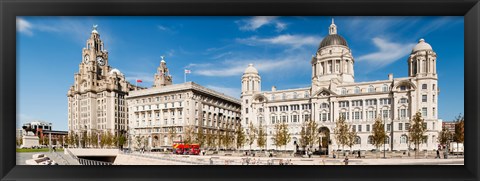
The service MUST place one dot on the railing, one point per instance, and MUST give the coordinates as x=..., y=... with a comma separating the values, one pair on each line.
x=83, y=161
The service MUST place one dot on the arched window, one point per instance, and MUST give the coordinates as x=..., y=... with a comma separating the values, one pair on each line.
x=357, y=90
x=387, y=140
x=344, y=91
x=403, y=139
x=358, y=140
x=306, y=94
x=385, y=88
x=370, y=140
x=371, y=88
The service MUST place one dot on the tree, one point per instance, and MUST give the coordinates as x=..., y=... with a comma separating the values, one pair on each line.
x=138, y=139
x=219, y=139
x=251, y=135
x=19, y=141
x=352, y=136
x=262, y=137
x=417, y=131
x=109, y=139
x=309, y=134
x=76, y=140
x=282, y=136
x=189, y=135
x=240, y=134
x=341, y=132
x=201, y=137
x=444, y=136
x=228, y=139
x=172, y=133
x=378, y=133
x=121, y=140
x=210, y=139
x=459, y=129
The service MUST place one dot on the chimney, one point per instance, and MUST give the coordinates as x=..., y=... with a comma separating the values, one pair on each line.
x=390, y=77
x=274, y=88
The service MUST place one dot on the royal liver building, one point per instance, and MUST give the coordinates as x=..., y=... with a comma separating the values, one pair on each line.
x=335, y=93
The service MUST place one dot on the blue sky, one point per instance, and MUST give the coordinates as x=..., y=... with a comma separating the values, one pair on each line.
x=218, y=49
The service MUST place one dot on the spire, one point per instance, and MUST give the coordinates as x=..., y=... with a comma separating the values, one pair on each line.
x=162, y=59
x=94, y=29
x=333, y=28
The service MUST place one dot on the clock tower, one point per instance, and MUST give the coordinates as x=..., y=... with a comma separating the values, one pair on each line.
x=96, y=100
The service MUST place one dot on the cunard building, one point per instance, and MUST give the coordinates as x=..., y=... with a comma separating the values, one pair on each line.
x=334, y=93
x=168, y=113
x=96, y=100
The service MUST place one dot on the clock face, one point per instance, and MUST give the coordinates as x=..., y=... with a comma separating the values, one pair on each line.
x=100, y=61
x=86, y=58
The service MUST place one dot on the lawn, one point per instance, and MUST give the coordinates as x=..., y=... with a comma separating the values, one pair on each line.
x=22, y=150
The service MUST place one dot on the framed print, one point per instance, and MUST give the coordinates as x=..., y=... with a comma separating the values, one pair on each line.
x=181, y=90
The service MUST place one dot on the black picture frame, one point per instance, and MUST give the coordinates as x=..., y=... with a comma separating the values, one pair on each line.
x=9, y=9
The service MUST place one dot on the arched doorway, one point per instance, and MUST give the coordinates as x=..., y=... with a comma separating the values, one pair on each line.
x=324, y=140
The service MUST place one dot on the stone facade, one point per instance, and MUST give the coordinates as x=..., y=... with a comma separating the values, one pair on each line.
x=334, y=93
x=96, y=100
x=154, y=112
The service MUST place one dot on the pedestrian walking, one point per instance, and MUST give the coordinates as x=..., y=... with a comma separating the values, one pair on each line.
x=346, y=160
x=359, y=154
x=438, y=154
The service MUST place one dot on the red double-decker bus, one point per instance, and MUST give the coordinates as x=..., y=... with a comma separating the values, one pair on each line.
x=186, y=149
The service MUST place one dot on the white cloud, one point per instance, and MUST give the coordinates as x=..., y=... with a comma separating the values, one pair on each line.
x=388, y=52
x=146, y=77
x=24, y=26
x=233, y=92
x=294, y=41
x=236, y=67
x=163, y=28
x=256, y=22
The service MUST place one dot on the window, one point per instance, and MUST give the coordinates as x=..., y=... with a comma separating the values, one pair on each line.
x=403, y=100
x=389, y=127
x=305, y=94
x=407, y=126
x=344, y=91
x=371, y=88
x=433, y=98
x=424, y=125
x=357, y=103
x=424, y=98
x=359, y=128
x=424, y=86
x=246, y=110
x=358, y=140
x=368, y=128
x=356, y=115
x=387, y=140
x=424, y=111
x=403, y=139
x=324, y=117
x=385, y=88
x=433, y=87
x=246, y=120
x=357, y=90
x=369, y=140
x=343, y=104
x=400, y=126
x=433, y=113
x=403, y=113
x=385, y=114
x=354, y=128
x=403, y=88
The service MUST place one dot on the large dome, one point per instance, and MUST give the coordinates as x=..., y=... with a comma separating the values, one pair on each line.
x=333, y=39
x=422, y=45
x=251, y=70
